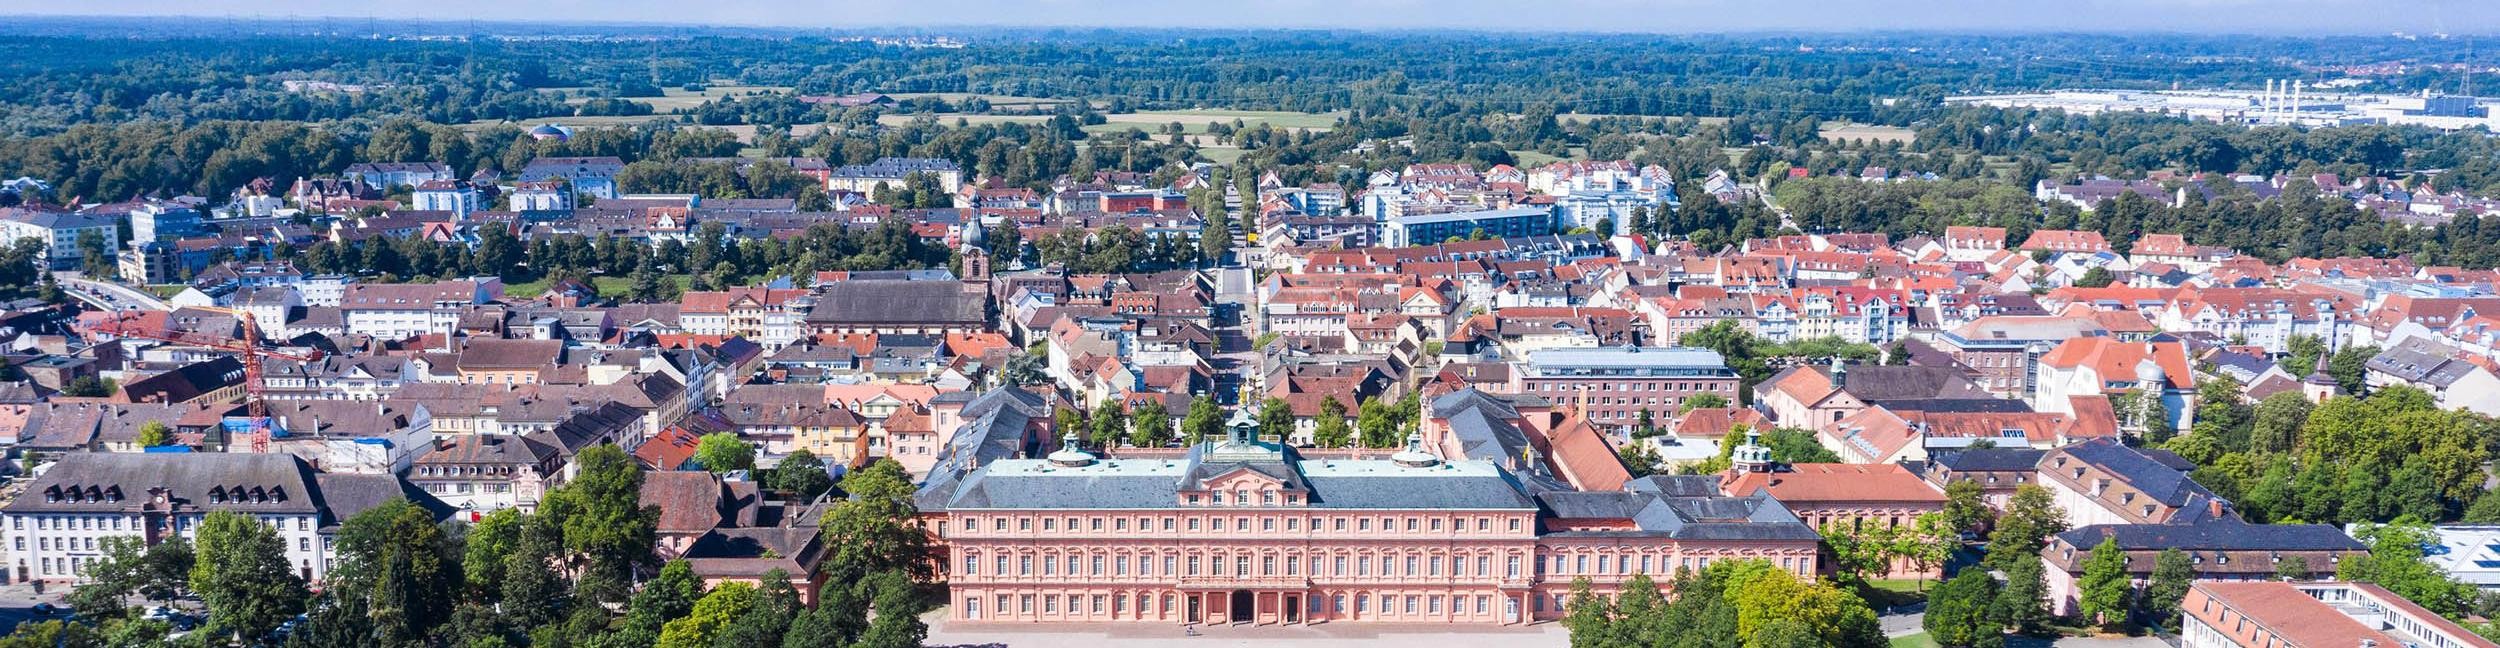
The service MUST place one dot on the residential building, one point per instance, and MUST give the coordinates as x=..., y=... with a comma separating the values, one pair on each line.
x=1426, y=229
x=452, y=196
x=60, y=234
x=2456, y=379
x=1612, y=385
x=2228, y=614
x=57, y=529
x=592, y=176
x=893, y=173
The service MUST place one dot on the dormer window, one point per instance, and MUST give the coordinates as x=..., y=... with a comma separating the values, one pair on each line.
x=52, y=494
x=217, y=494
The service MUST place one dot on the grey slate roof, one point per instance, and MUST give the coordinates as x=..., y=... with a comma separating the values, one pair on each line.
x=1991, y=459
x=266, y=483
x=1700, y=517
x=2154, y=475
x=2216, y=535
x=1157, y=483
x=874, y=302
x=2422, y=360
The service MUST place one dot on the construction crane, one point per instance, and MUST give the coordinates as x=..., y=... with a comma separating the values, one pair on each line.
x=256, y=408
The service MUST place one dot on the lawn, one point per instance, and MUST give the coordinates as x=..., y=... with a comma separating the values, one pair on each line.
x=674, y=99
x=612, y=287
x=1888, y=593
x=1196, y=120
x=1920, y=640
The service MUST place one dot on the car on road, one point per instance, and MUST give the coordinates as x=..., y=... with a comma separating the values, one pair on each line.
x=48, y=609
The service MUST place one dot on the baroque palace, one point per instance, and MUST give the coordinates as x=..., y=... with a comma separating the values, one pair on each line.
x=1244, y=530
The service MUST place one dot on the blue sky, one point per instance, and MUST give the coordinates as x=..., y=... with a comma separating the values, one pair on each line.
x=2262, y=17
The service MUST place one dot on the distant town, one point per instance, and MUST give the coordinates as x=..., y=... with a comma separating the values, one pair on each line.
x=584, y=361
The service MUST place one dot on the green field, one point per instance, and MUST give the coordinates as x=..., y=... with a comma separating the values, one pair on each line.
x=998, y=102
x=1868, y=132
x=610, y=287
x=1920, y=640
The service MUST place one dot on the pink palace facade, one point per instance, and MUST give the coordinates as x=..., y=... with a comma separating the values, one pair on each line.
x=1243, y=531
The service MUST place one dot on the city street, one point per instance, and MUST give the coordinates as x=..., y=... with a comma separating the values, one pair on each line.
x=121, y=296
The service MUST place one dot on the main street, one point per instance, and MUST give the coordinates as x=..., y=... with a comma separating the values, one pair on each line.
x=108, y=295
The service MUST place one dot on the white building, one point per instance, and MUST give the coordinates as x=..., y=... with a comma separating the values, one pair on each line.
x=401, y=311
x=59, y=233
x=445, y=195
x=62, y=523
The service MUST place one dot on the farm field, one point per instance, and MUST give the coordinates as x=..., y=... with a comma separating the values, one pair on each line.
x=1868, y=132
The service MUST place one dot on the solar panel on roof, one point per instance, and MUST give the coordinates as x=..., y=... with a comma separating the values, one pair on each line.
x=2487, y=564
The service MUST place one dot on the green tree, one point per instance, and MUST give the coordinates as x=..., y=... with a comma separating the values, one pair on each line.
x=1965, y=506
x=2096, y=277
x=2106, y=589
x=1150, y=425
x=52, y=634
x=1640, y=614
x=871, y=530
x=1377, y=425
x=645, y=286
x=2292, y=569
x=1276, y=418
x=529, y=574
x=1927, y=543
x=2022, y=604
x=88, y=387
x=1204, y=421
x=2172, y=573
x=802, y=474
x=1332, y=430
x=1589, y=617
x=129, y=567
x=897, y=605
x=1860, y=551
x=668, y=597
x=724, y=452
x=241, y=574
x=1639, y=459
x=96, y=256
x=711, y=613
x=483, y=551
x=1765, y=596
x=841, y=614
x=398, y=570
x=763, y=624
x=1958, y=612
x=154, y=433
x=2395, y=562
x=1698, y=401
x=607, y=530
x=1109, y=423
x=2031, y=516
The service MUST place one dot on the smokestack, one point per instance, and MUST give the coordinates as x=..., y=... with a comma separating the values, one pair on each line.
x=2296, y=99
x=2265, y=102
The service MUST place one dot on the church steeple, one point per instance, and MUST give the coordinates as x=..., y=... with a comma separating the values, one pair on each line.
x=2321, y=384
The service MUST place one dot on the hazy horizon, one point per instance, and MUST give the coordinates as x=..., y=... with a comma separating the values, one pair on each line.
x=2237, y=17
